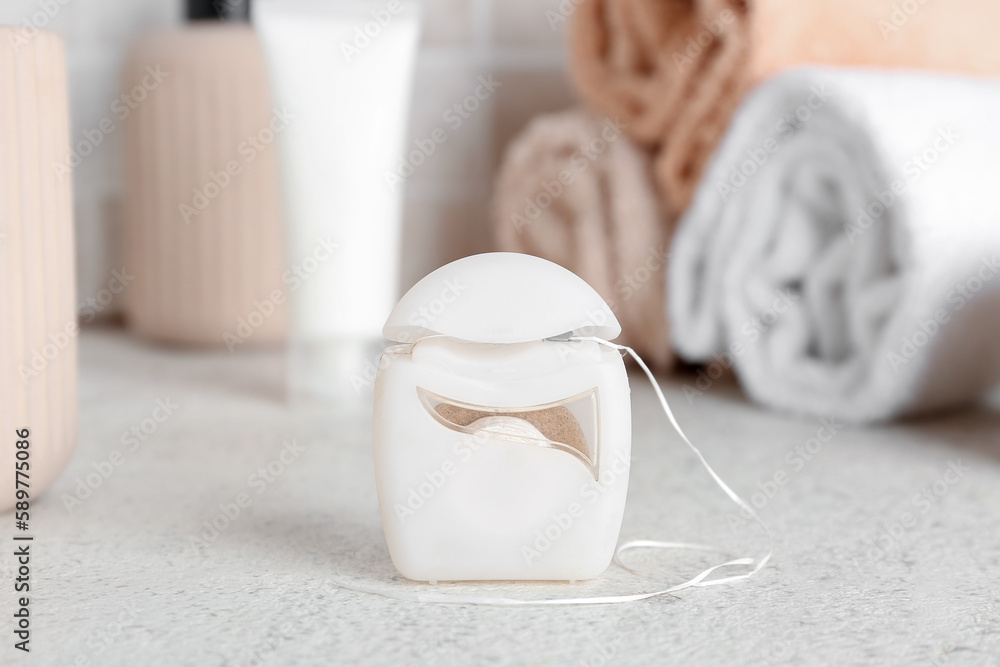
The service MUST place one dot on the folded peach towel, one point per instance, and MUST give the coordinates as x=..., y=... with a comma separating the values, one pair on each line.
x=674, y=71
x=575, y=190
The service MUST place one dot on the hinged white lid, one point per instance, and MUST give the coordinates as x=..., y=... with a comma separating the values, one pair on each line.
x=501, y=297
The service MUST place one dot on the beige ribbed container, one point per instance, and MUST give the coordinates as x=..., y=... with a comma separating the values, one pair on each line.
x=207, y=279
x=37, y=313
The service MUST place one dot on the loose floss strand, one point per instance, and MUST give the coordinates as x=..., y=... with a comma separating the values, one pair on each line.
x=699, y=581
x=742, y=504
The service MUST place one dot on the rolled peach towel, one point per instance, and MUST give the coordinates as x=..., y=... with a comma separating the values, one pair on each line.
x=575, y=190
x=674, y=71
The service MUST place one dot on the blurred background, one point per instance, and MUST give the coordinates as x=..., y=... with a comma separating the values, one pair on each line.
x=446, y=216
x=208, y=211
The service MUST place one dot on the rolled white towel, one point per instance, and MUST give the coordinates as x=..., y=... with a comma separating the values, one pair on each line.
x=843, y=249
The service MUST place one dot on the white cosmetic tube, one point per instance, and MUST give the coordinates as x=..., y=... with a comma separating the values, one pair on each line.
x=341, y=74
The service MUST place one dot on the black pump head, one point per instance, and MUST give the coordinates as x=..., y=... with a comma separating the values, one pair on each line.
x=224, y=10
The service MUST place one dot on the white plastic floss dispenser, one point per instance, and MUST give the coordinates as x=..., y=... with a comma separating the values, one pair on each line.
x=501, y=445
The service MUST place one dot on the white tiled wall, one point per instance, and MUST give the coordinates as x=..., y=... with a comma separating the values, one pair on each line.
x=514, y=41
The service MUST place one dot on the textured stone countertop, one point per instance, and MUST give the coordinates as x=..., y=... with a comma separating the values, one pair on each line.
x=117, y=580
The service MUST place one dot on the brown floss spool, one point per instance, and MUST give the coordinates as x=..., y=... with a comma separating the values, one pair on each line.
x=557, y=424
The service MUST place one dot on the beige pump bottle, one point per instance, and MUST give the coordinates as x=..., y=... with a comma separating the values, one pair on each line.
x=203, y=223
